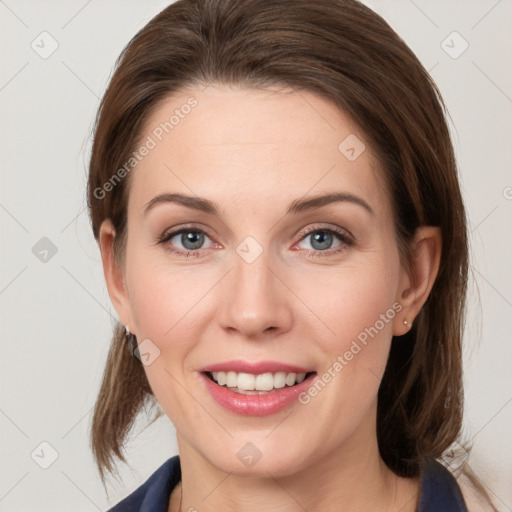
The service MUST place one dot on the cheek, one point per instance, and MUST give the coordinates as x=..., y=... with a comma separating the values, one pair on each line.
x=352, y=300
x=358, y=306
x=170, y=307
x=161, y=296
x=164, y=304
x=156, y=305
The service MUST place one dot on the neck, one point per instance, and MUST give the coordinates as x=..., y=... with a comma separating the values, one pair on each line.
x=345, y=479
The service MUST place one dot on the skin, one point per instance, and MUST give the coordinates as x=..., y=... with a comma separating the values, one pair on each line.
x=254, y=152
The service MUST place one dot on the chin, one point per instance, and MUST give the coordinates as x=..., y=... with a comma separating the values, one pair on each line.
x=257, y=458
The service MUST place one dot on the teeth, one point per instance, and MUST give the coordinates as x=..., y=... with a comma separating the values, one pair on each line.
x=246, y=381
x=231, y=379
x=263, y=382
x=290, y=379
x=279, y=380
x=256, y=383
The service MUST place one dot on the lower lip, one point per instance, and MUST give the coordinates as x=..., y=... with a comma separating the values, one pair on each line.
x=255, y=405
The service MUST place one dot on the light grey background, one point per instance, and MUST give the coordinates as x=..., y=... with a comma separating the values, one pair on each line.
x=56, y=316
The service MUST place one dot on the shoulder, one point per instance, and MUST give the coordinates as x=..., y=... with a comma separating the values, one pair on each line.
x=439, y=490
x=153, y=495
x=463, y=492
x=475, y=500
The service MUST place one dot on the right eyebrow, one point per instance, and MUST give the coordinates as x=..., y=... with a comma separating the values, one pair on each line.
x=197, y=203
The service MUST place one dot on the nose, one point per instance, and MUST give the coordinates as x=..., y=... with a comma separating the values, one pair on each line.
x=255, y=302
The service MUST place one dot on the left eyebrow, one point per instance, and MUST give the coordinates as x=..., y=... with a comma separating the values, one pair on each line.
x=297, y=206
x=309, y=203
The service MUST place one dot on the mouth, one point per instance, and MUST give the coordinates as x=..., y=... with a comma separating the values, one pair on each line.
x=256, y=389
x=257, y=384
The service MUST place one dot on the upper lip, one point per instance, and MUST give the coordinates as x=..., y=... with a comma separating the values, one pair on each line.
x=256, y=368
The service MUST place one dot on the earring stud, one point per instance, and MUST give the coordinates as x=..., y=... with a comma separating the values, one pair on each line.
x=131, y=339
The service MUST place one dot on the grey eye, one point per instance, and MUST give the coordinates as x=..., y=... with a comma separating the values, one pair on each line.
x=191, y=240
x=321, y=240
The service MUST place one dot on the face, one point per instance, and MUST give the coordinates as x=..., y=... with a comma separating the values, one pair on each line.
x=263, y=285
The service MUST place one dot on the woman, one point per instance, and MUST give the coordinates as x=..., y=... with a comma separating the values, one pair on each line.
x=274, y=192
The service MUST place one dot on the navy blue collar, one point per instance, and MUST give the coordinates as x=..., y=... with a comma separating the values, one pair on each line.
x=439, y=490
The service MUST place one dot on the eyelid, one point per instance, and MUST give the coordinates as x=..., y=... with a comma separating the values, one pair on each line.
x=186, y=227
x=344, y=233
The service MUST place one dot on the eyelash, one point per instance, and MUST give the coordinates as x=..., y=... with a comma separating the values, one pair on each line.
x=346, y=239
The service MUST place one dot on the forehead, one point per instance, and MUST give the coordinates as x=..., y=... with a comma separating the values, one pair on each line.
x=253, y=146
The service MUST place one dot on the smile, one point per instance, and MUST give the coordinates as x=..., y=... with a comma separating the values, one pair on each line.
x=255, y=389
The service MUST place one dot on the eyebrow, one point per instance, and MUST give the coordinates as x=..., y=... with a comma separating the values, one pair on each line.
x=297, y=206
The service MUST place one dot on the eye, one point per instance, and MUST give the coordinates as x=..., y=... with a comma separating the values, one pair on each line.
x=321, y=241
x=185, y=241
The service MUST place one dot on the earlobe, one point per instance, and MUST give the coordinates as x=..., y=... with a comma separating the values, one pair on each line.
x=418, y=280
x=114, y=274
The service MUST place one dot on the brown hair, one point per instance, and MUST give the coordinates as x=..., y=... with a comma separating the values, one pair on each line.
x=346, y=53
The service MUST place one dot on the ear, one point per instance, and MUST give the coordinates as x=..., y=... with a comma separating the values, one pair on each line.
x=417, y=281
x=114, y=274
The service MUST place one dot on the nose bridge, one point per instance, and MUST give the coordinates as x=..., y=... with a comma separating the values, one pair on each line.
x=254, y=298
